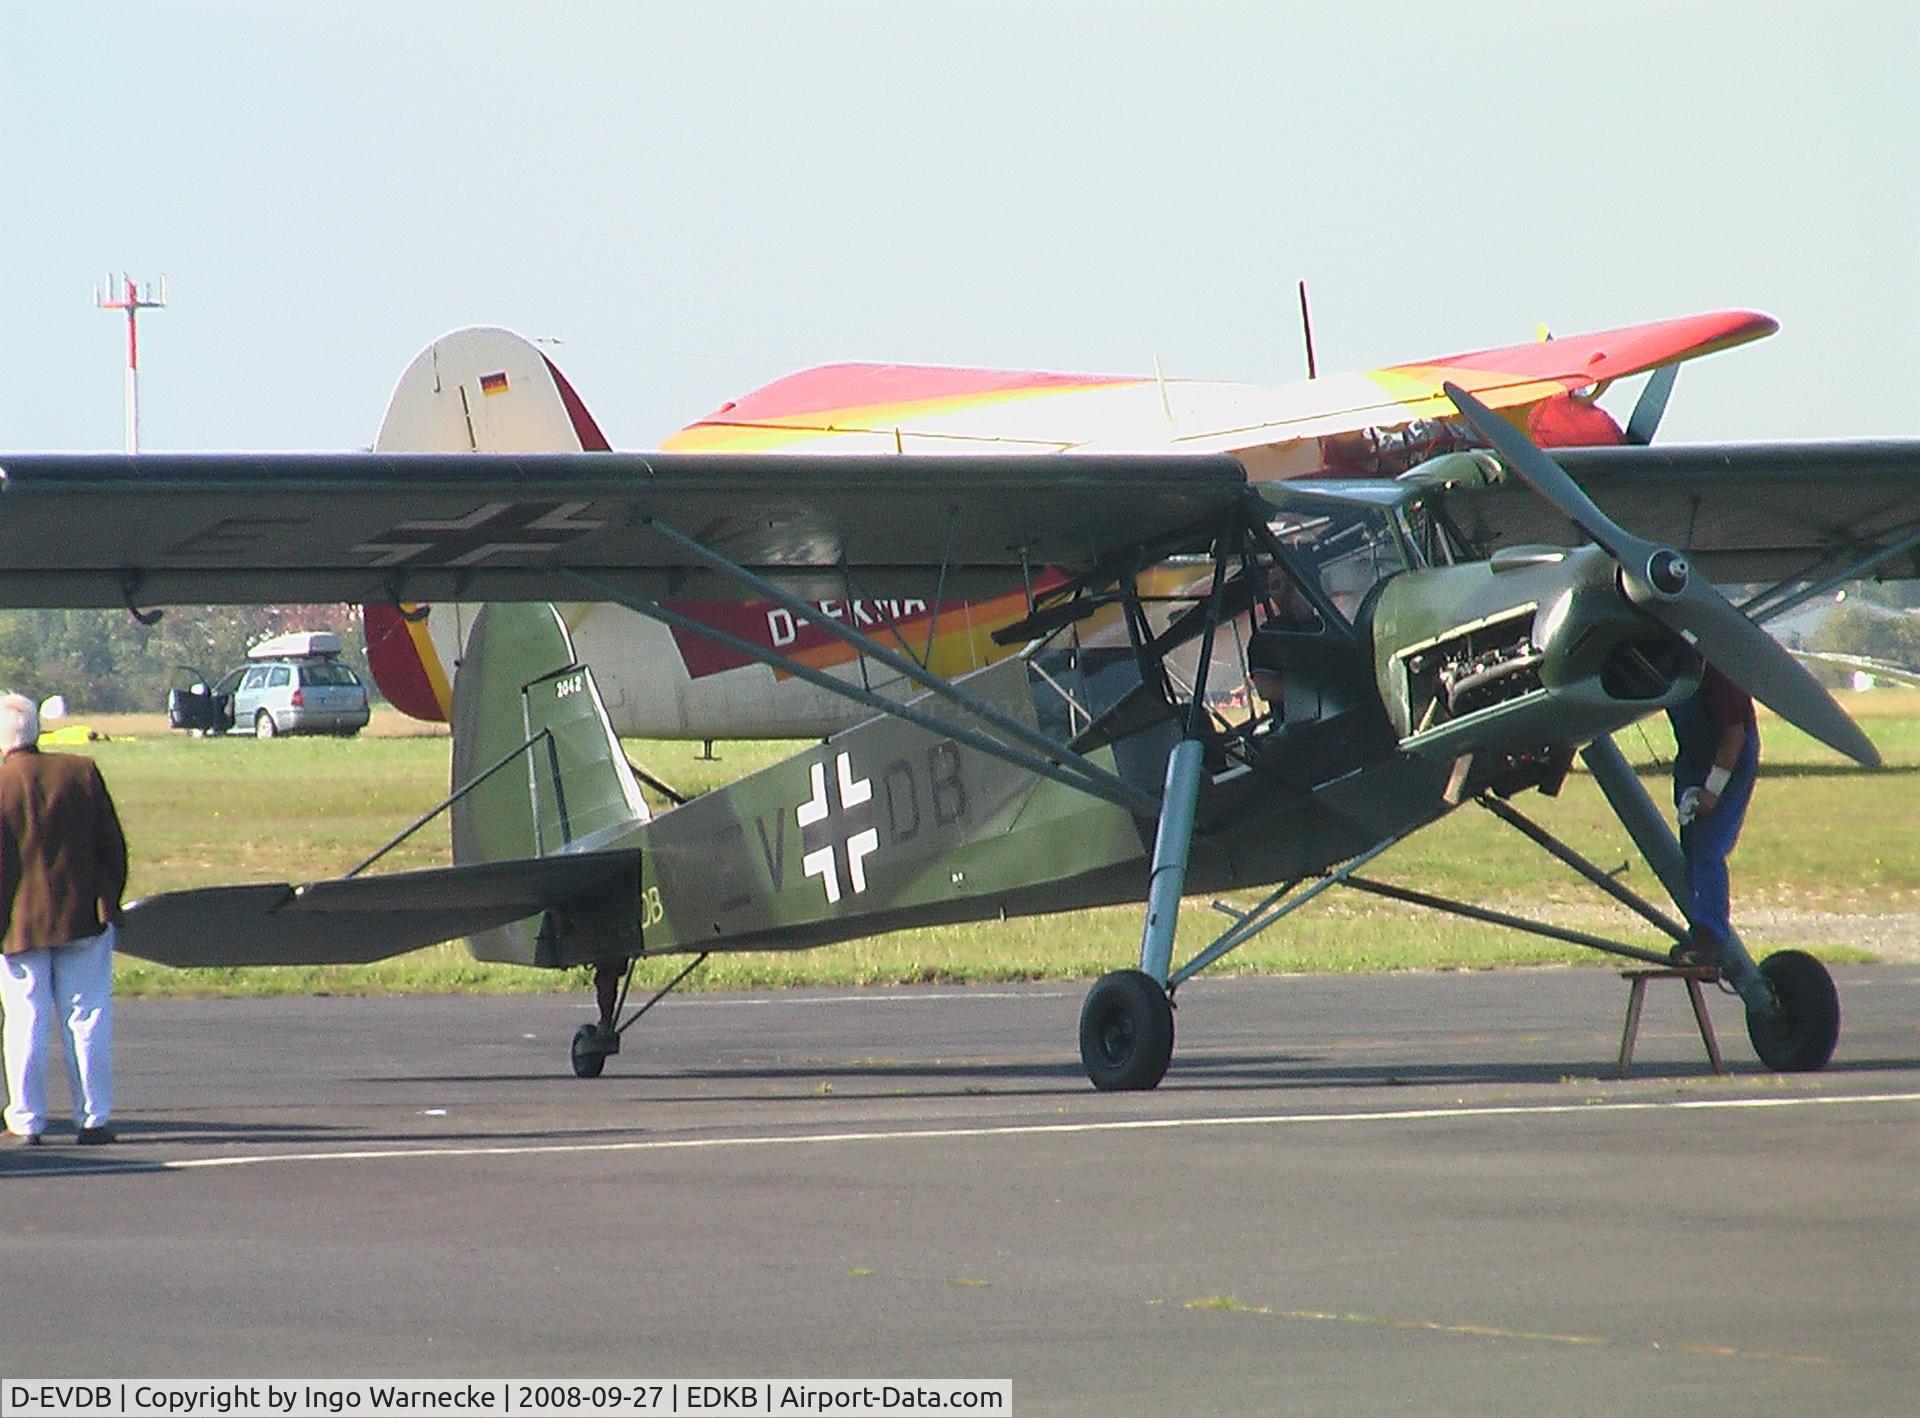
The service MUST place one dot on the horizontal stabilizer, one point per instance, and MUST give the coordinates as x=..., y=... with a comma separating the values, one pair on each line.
x=354, y=920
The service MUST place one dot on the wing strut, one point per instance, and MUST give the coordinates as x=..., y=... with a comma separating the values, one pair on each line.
x=1779, y=598
x=1092, y=779
x=1279, y=904
x=901, y=664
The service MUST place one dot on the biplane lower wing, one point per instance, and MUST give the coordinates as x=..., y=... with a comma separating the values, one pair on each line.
x=357, y=920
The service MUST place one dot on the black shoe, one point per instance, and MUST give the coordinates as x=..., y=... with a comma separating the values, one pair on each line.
x=96, y=1137
x=24, y=1139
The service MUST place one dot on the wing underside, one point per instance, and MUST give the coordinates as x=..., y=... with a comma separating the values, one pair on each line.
x=1749, y=512
x=109, y=530
x=105, y=530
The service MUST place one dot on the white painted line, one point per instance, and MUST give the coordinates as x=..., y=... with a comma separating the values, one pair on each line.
x=1018, y=1130
x=918, y=996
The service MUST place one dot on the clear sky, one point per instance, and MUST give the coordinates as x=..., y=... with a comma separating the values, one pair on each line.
x=694, y=198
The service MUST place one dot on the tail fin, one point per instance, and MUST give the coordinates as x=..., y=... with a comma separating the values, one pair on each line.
x=523, y=708
x=543, y=842
x=486, y=390
x=483, y=390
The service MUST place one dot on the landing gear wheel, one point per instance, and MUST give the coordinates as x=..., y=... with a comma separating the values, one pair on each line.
x=1798, y=1035
x=1126, y=1031
x=589, y=1052
x=263, y=725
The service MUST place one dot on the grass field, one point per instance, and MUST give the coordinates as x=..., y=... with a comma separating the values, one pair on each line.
x=1823, y=842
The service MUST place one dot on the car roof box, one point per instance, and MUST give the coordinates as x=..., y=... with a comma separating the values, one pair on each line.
x=295, y=645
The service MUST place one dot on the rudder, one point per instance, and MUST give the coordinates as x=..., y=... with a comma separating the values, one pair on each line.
x=559, y=782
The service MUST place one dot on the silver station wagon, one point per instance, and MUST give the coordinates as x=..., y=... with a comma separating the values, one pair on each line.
x=291, y=684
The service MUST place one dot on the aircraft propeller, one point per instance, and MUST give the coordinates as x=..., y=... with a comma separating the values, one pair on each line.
x=1659, y=581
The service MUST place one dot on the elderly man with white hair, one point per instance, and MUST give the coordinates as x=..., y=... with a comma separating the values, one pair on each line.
x=63, y=867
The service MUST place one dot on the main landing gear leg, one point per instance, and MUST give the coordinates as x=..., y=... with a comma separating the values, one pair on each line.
x=1793, y=1009
x=1126, y=1024
x=1647, y=826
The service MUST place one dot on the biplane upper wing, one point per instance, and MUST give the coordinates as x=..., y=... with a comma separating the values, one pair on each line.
x=162, y=528
x=1281, y=432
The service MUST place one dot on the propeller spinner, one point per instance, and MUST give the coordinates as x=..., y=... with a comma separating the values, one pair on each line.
x=1659, y=581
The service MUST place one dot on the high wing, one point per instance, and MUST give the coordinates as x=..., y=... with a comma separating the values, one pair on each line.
x=867, y=498
x=110, y=530
x=1742, y=512
x=162, y=528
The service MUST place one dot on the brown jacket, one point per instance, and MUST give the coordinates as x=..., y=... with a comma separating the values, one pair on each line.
x=63, y=858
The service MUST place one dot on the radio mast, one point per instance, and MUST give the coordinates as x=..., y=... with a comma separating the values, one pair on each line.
x=133, y=302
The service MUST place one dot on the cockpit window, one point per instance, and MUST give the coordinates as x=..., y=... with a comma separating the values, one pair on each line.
x=1430, y=533
x=1351, y=549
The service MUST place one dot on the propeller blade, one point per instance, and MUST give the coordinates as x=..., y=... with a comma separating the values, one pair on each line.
x=1762, y=666
x=1547, y=478
x=1651, y=405
x=1653, y=571
x=1658, y=581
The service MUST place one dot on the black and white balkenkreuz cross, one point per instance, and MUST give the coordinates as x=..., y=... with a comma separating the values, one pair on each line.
x=836, y=829
x=491, y=529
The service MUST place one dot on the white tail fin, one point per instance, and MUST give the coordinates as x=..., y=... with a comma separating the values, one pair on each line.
x=486, y=390
x=483, y=390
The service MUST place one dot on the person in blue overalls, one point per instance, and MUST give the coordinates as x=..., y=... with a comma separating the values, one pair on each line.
x=1713, y=771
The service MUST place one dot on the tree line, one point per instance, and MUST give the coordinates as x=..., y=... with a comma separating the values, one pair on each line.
x=107, y=662
x=1876, y=619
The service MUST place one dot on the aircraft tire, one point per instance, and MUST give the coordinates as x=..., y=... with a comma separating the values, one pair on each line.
x=264, y=727
x=1799, y=1036
x=1126, y=1031
x=588, y=1057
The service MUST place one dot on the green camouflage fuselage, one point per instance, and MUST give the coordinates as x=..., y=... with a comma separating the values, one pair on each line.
x=889, y=824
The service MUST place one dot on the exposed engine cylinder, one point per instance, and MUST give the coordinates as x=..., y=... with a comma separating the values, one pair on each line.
x=1487, y=665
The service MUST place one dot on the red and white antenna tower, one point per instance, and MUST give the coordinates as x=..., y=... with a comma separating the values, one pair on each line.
x=133, y=301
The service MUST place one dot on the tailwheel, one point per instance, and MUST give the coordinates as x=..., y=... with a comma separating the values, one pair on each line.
x=611, y=981
x=590, y=1049
x=1126, y=1031
x=1799, y=1033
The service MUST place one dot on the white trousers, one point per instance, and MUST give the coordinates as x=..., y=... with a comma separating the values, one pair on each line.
x=74, y=983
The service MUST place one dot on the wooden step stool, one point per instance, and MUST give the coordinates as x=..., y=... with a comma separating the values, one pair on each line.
x=1695, y=976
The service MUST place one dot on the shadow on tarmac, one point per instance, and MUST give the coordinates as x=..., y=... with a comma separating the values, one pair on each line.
x=1208, y=1070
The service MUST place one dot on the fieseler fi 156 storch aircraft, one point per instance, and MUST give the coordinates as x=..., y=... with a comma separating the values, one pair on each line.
x=1390, y=602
